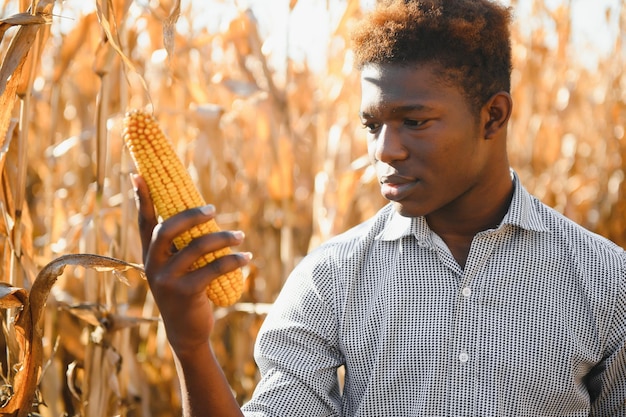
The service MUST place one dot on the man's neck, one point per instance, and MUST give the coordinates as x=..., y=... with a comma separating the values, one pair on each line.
x=458, y=226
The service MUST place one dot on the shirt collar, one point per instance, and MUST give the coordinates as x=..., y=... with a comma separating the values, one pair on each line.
x=522, y=213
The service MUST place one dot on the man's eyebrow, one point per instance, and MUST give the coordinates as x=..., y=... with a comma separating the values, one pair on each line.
x=411, y=107
x=402, y=109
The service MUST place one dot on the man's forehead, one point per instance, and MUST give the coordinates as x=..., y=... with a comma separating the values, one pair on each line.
x=396, y=79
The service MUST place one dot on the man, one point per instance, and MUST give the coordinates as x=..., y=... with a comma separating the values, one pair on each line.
x=465, y=296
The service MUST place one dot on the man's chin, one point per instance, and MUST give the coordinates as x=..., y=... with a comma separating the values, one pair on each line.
x=407, y=211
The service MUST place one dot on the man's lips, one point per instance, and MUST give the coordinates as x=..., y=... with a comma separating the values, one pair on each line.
x=396, y=187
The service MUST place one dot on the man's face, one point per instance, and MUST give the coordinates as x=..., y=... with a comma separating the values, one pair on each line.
x=427, y=146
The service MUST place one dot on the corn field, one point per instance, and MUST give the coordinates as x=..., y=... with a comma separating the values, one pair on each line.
x=273, y=141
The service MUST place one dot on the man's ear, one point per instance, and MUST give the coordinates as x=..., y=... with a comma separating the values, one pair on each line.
x=497, y=112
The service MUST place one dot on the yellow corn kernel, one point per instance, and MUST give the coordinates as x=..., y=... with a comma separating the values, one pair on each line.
x=173, y=191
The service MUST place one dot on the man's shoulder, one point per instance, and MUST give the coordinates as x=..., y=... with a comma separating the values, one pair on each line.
x=579, y=238
x=343, y=251
x=354, y=240
x=367, y=230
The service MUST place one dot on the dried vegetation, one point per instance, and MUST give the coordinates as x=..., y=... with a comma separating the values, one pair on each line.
x=278, y=149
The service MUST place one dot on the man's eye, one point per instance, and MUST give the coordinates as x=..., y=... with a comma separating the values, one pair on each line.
x=371, y=127
x=414, y=123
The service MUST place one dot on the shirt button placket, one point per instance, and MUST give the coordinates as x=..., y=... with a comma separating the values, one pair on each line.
x=466, y=292
x=461, y=396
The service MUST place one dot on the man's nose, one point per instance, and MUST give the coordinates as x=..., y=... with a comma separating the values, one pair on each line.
x=389, y=145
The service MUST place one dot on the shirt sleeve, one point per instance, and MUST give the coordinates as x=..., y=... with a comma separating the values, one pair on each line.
x=297, y=349
x=608, y=379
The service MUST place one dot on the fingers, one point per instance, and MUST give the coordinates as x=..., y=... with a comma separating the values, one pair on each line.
x=185, y=259
x=209, y=243
x=177, y=272
x=198, y=280
x=164, y=234
x=164, y=268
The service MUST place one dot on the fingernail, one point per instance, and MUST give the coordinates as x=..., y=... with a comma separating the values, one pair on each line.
x=208, y=209
x=239, y=234
x=246, y=255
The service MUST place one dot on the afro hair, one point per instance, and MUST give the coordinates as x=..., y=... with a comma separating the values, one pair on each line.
x=468, y=39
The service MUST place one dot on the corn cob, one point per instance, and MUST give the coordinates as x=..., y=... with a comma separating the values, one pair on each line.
x=173, y=191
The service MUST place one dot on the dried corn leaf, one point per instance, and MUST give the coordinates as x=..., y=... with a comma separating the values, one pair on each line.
x=111, y=36
x=9, y=82
x=23, y=19
x=29, y=326
x=12, y=297
x=96, y=315
x=169, y=29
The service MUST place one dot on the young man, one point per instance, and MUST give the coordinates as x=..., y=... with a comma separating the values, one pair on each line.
x=465, y=296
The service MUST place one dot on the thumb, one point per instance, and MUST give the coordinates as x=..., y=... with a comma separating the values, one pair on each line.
x=146, y=215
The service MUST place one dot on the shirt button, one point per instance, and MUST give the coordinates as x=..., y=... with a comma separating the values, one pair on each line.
x=463, y=357
x=467, y=291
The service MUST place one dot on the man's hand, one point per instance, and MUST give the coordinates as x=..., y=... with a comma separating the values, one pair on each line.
x=180, y=291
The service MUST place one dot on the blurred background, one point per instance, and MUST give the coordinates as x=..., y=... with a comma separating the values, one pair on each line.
x=261, y=102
